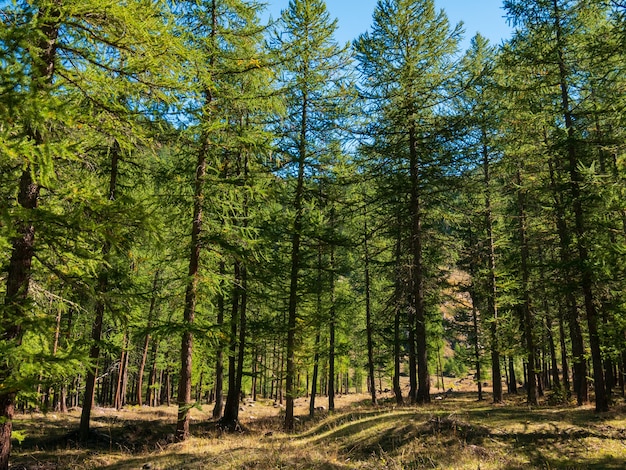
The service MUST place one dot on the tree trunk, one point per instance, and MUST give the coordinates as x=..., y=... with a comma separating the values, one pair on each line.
x=575, y=181
x=316, y=357
x=556, y=381
x=527, y=316
x=230, y=419
x=492, y=307
x=295, y=268
x=152, y=378
x=563, y=344
x=23, y=245
x=398, y=294
x=422, y=394
x=219, y=354
x=15, y=303
x=331, y=341
x=189, y=311
x=119, y=396
x=576, y=337
x=96, y=331
x=231, y=410
x=476, y=345
x=368, y=309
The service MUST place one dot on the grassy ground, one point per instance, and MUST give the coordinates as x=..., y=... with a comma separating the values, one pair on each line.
x=453, y=433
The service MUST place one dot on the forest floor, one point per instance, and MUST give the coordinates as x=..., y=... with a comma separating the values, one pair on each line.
x=454, y=432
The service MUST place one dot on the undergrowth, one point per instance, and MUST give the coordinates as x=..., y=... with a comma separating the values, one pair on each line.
x=455, y=433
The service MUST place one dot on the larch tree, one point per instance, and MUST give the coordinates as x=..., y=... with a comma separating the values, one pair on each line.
x=62, y=56
x=312, y=72
x=407, y=62
x=227, y=134
x=550, y=51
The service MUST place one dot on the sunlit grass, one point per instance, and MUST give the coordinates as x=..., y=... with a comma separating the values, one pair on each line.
x=456, y=433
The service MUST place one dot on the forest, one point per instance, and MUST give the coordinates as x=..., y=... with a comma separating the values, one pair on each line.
x=199, y=207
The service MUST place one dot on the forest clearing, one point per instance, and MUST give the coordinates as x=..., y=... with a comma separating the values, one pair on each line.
x=457, y=432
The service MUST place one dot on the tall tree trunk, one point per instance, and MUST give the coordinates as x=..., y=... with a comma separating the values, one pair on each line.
x=15, y=303
x=189, y=311
x=96, y=330
x=492, y=307
x=527, y=316
x=397, y=310
x=193, y=275
x=578, y=349
x=368, y=309
x=422, y=394
x=23, y=245
x=316, y=357
x=295, y=268
x=241, y=351
x=230, y=420
x=602, y=402
x=332, y=326
x=231, y=409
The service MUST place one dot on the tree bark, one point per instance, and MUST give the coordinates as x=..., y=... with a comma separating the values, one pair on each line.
x=368, y=309
x=96, y=331
x=23, y=245
x=295, y=268
x=602, y=401
x=422, y=395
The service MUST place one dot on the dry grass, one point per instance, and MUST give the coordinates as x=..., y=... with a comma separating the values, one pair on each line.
x=455, y=433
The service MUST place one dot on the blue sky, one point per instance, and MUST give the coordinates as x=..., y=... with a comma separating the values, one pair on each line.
x=355, y=16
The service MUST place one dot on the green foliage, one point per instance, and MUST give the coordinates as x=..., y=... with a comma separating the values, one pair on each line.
x=428, y=154
x=19, y=436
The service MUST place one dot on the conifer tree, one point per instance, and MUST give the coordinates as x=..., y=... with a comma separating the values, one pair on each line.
x=549, y=50
x=228, y=137
x=407, y=62
x=313, y=79
x=69, y=68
